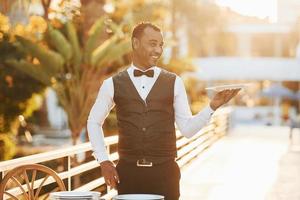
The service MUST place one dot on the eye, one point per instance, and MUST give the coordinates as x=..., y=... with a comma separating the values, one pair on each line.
x=152, y=44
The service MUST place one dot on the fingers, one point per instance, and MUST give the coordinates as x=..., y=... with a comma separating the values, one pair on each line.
x=110, y=181
x=235, y=92
x=223, y=97
x=107, y=181
x=108, y=172
x=113, y=183
x=227, y=95
x=232, y=94
x=115, y=179
x=116, y=176
x=112, y=178
x=222, y=93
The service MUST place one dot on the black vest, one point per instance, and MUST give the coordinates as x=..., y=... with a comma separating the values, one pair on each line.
x=146, y=128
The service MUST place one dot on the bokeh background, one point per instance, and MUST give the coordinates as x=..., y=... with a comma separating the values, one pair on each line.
x=54, y=55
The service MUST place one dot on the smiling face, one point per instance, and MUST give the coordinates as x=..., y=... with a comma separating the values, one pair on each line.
x=147, y=48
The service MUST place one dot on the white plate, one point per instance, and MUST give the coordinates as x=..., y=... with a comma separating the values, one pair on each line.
x=228, y=87
x=138, y=197
x=74, y=194
x=72, y=198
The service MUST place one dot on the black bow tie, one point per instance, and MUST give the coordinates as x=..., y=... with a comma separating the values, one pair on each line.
x=149, y=73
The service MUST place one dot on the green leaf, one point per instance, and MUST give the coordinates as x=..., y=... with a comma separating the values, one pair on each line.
x=116, y=52
x=59, y=41
x=103, y=49
x=93, y=33
x=50, y=60
x=73, y=39
x=34, y=71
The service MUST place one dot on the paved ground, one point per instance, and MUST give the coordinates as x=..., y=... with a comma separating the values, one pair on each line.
x=251, y=163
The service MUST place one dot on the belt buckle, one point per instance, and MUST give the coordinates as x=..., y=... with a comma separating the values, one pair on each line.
x=143, y=163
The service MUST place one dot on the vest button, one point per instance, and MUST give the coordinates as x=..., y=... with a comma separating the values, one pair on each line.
x=144, y=129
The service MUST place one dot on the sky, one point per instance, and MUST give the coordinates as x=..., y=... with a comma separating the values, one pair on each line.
x=259, y=8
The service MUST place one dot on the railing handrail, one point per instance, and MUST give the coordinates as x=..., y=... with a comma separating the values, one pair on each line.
x=54, y=154
x=58, y=153
x=187, y=149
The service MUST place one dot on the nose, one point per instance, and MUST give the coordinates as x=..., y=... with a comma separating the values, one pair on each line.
x=158, y=50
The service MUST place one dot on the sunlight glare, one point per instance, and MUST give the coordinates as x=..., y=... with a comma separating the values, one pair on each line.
x=258, y=8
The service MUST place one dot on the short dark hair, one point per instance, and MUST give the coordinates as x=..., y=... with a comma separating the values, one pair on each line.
x=139, y=29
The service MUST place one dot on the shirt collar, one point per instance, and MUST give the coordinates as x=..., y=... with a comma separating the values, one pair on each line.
x=132, y=67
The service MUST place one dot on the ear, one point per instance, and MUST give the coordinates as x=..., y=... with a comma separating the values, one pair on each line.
x=135, y=43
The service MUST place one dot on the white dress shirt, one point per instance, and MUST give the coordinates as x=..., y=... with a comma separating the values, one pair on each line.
x=187, y=123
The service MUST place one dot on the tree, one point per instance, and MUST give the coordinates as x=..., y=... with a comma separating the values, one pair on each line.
x=14, y=93
x=16, y=97
x=72, y=68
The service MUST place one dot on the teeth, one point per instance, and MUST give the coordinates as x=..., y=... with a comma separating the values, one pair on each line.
x=155, y=57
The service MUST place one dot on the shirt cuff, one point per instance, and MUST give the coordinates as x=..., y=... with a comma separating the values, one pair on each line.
x=100, y=159
x=208, y=110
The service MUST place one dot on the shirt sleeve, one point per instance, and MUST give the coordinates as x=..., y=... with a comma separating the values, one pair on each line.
x=100, y=110
x=187, y=123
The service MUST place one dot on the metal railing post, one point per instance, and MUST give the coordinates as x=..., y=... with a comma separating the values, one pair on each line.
x=69, y=176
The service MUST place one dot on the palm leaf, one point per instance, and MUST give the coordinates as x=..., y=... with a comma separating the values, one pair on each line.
x=103, y=49
x=93, y=33
x=34, y=71
x=99, y=53
x=60, y=43
x=73, y=39
x=50, y=60
x=116, y=52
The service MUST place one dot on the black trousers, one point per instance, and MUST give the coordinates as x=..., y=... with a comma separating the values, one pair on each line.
x=162, y=179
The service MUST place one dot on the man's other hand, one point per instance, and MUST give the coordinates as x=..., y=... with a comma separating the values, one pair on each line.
x=109, y=173
x=223, y=97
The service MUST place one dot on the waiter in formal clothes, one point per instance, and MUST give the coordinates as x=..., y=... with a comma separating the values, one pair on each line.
x=148, y=100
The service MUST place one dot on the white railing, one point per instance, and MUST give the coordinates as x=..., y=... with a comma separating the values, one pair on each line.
x=188, y=149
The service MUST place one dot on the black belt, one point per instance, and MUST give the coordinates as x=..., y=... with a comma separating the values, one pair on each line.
x=144, y=162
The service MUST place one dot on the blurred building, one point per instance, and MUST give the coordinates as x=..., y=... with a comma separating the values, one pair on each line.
x=261, y=40
x=214, y=69
x=288, y=11
x=264, y=53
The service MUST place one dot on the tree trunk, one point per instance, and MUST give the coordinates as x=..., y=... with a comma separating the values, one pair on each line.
x=46, y=5
x=74, y=161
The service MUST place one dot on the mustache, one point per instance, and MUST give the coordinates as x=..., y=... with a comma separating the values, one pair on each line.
x=156, y=54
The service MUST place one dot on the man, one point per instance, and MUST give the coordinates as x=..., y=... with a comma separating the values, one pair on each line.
x=148, y=101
